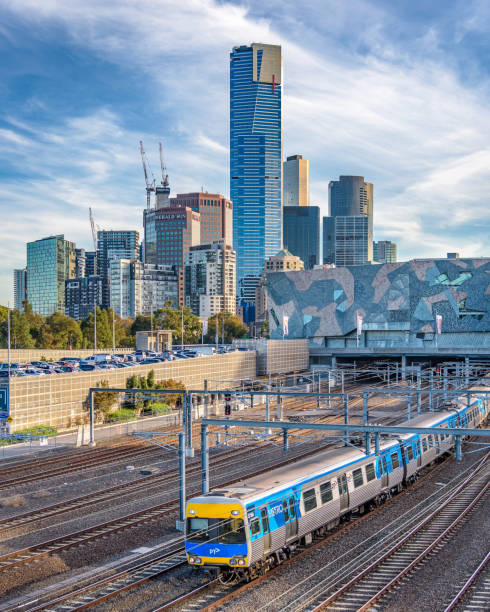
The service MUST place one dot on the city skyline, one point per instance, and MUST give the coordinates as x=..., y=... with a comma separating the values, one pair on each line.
x=72, y=122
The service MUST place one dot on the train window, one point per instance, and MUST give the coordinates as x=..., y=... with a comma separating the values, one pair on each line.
x=265, y=520
x=231, y=531
x=357, y=476
x=424, y=444
x=255, y=526
x=419, y=448
x=395, y=462
x=326, y=492
x=285, y=510
x=431, y=440
x=292, y=510
x=198, y=529
x=370, y=473
x=309, y=500
x=409, y=453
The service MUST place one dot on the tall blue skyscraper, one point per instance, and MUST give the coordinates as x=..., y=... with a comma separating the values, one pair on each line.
x=256, y=155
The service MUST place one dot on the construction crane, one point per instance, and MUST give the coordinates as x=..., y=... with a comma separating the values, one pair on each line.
x=162, y=166
x=150, y=185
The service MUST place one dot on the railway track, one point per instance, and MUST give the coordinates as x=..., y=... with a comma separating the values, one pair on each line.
x=475, y=593
x=29, y=554
x=362, y=585
x=208, y=598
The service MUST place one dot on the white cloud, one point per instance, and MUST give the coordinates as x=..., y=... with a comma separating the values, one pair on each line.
x=407, y=123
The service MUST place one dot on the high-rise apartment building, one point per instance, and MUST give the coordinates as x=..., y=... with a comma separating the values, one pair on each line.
x=384, y=251
x=139, y=288
x=50, y=262
x=216, y=215
x=90, y=263
x=302, y=233
x=82, y=295
x=80, y=263
x=348, y=231
x=114, y=245
x=296, y=175
x=20, y=288
x=210, y=279
x=256, y=155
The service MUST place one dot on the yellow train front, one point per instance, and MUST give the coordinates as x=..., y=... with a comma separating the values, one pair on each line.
x=215, y=533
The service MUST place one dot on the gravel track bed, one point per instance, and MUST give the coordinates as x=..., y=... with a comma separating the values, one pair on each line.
x=429, y=587
x=47, y=570
x=265, y=595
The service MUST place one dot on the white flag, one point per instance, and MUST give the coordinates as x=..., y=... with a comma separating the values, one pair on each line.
x=439, y=323
x=285, y=326
x=204, y=322
x=359, y=324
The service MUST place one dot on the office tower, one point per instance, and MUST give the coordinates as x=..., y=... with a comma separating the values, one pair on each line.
x=20, y=288
x=384, y=251
x=255, y=156
x=80, y=263
x=114, y=245
x=210, y=278
x=296, y=181
x=348, y=231
x=82, y=295
x=139, y=288
x=216, y=214
x=302, y=233
x=90, y=263
x=50, y=261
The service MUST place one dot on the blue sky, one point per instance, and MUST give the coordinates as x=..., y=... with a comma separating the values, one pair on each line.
x=395, y=91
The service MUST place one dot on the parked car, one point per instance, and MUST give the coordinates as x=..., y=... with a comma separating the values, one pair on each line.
x=87, y=367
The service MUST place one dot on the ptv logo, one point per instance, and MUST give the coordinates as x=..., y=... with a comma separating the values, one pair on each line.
x=214, y=551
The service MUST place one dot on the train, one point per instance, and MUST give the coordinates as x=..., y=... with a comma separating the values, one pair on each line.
x=246, y=528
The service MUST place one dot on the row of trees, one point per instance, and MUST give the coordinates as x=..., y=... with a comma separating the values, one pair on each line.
x=31, y=330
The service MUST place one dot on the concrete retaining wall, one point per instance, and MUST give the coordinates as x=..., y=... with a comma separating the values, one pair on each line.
x=279, y=356
x=26, y=355
x=59, y=399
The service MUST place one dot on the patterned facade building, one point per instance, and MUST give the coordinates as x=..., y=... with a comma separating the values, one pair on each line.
x=255, y=156
x=114, y=245
x=82, y=295
x=398, y=303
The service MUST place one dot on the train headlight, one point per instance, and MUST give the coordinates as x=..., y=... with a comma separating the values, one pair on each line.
x=241, y=561
x=191, y=511
x=232, y=561
x=235, y=512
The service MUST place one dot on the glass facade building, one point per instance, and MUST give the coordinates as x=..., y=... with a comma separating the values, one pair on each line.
x=302, y=233
x=20, y=288
x=256, y=155
x=296, y=177
x=50, y=262
x=384, y=251
x=348, y=231
x=114, y=245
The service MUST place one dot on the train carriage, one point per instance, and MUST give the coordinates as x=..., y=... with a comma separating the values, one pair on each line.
x=246, y=528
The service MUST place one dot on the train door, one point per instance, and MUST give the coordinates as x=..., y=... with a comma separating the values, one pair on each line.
x=291, y=518
x=266, y=530
x=343, y=492
x=384, y=471
x=419, y=453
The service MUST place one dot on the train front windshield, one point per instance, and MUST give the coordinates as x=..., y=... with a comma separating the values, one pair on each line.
x=221, y=531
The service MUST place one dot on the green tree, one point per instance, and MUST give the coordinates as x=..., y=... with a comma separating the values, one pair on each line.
x=59, y=331
x=20, y=336
x=264, y=329
x=170, y=318
x=103, y=401
x=234, y=328
x=35, y=322
x=104, y=329
x=140, y=323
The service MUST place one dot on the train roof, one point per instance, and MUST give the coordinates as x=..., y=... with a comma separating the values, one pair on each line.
x=309, y=468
